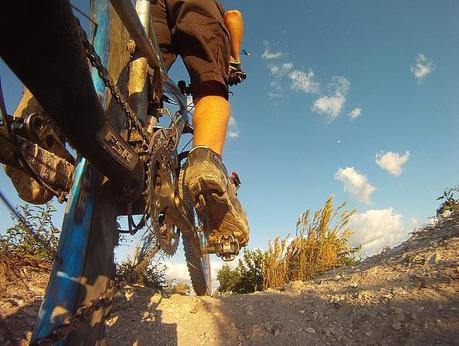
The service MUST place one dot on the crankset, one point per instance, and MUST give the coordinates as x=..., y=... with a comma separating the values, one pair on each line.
x=162, y=182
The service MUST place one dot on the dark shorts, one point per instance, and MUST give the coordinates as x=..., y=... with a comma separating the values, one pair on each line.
x=195, y=30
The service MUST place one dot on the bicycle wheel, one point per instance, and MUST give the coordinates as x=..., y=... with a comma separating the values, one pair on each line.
x=198, y=266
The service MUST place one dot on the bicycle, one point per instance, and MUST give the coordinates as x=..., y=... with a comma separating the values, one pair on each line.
x=135, y=160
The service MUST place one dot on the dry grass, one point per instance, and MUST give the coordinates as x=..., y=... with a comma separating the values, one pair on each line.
x=318, y=246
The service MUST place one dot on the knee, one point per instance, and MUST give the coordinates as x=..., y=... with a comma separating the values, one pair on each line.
x=233, y=16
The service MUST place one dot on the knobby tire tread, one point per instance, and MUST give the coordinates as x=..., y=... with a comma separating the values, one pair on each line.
x=200, y=282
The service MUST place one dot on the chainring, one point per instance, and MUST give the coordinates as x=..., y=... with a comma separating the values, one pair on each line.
x=162, y=183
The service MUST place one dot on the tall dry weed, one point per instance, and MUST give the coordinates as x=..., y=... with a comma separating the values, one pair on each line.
x=275, y=267
x=320, y=244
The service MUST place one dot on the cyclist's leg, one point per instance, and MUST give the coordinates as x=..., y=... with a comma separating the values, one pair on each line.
x=210, y=121
x=203, y=42
x=163, y=32
x=235, y=25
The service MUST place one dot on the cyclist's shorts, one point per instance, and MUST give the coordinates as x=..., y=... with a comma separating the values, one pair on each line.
x=195, y=30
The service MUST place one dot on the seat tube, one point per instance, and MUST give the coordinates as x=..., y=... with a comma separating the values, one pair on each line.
x=138, y=86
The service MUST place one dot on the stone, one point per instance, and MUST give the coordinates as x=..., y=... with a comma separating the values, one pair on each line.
x=398, y=311
x=315, y=315
x=310, y=330
x=396, y=325
x=434, y=259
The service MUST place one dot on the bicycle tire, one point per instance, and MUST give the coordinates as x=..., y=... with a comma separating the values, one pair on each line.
x=198, y=267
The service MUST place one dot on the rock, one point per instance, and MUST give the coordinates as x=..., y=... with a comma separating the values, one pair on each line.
x=315, y=315
x=310, y=330
x=268, y=326
x=233, y=324
x=396, y=325
x=400, y=317
x=422, y=283
x=398, y=311
x=302, y=311
x=295, y=286
x=276, y=332
x=433, y=259
x=398, y=291
x=256, y=331
x=363, y=295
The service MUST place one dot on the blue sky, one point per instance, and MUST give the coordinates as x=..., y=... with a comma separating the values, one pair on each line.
x=391, y=65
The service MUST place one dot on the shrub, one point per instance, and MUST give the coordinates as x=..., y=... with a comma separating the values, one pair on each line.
x=34, y=241
x=247, y=277
x=449, y=204
x=319, y=245
x=181, y=288
x=151, y=275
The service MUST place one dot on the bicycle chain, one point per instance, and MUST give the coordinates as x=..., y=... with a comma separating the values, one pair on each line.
x=169, y=141
x=85, y=313
x=102, y=71
x=74, y=322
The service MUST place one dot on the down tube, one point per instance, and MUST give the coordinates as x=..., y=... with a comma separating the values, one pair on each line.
x=64, y=285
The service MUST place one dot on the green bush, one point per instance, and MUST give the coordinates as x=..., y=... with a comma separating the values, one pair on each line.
x=321, y=243
x=247, y=277
x=449, y=204
x=152, y=276
x=37, y=240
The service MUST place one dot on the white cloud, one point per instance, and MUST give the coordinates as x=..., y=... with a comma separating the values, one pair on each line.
x=233, y=131
x=332, y=105
x=376, y=229
x=392, y=162
x=329, y=105
x=355, y=184
x=177, y=272
x=355, y=113
x=280, y=70
x=270, y=55
x=303, y=81
x=276, y=89
x=423, y=67
x=341, y=85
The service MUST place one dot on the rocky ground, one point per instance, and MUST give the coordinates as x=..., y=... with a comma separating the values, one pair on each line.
x=406, y=295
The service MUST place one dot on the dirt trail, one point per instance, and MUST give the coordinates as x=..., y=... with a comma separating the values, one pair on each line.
x=407, y=295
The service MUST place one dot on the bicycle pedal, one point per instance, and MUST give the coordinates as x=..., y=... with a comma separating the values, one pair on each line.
x=227, y=247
